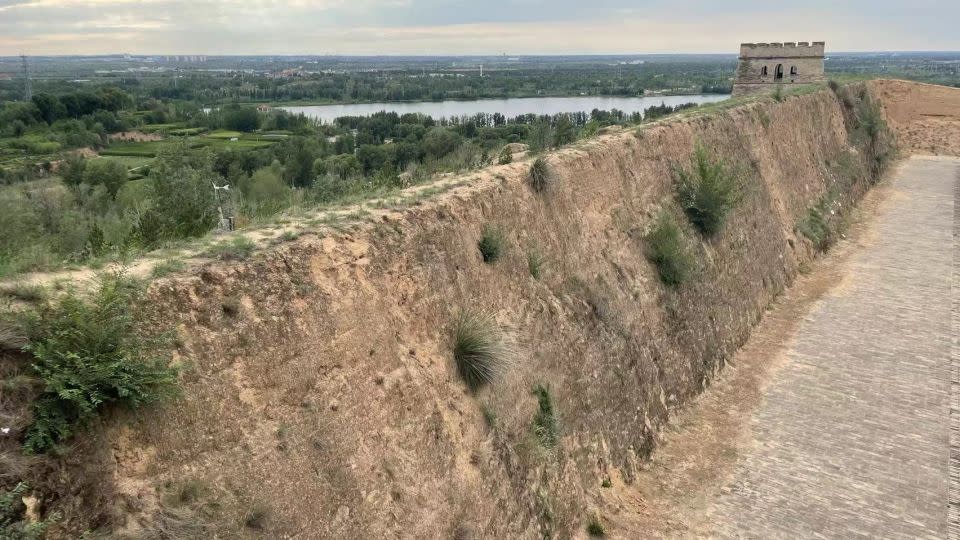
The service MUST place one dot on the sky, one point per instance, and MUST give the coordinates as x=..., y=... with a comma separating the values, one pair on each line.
x=456, y=27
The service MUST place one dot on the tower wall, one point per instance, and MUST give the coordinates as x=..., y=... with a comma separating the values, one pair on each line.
x=800, y=63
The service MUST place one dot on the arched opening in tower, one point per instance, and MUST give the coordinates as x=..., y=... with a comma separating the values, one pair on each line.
x=778, y=74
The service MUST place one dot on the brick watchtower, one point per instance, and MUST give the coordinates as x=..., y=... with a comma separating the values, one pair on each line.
x=764, y=66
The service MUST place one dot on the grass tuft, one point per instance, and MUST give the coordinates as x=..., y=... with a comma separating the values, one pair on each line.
x=541, y=176
x=595, y=527
x=536, y=262
x=707, y=192
x=666, y=250
x=237, y=249
x=167, y=267
x=25, y=292
x=815, y=227
x=492, y=244
x=481, y=350
x=257, y=517
x=546, y=428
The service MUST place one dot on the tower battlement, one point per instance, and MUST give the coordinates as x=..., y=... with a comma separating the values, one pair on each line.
x=764, y=66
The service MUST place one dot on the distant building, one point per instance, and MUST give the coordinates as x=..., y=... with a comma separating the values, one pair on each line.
x=264, y=108
x=765, y=66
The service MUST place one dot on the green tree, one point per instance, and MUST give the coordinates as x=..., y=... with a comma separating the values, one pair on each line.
x=564, y=132
x=183, y=203
x=241, y=119
x=439, y=142
x=106, y=172
x=266, y=191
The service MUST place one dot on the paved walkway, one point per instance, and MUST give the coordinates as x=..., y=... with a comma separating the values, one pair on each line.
x=853, y=437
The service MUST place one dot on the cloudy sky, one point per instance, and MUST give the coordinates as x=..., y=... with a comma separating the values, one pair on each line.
x=467, y=27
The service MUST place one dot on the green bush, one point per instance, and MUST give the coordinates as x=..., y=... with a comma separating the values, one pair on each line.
x=505, y=157
x=106, y=172
x=492, y=244
x=666, y=250
x=541, y=176
x=707, y=192
x=89, y=354
x=480, y=349
x=595, y=527
x=183, y=204
x=546, y=428
x=13, y=525
x=815, y=227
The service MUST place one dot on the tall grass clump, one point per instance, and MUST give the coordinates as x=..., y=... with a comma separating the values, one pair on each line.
x=492, y=244
x=88, y=354
x=708, y=191
x=481, y=350
x=816, y=227
x=666, y=250
x=236, y=249
x=536, y=262
x=541, y=176
x=546, y=428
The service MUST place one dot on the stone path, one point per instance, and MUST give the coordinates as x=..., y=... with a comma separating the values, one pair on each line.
x=853, y=437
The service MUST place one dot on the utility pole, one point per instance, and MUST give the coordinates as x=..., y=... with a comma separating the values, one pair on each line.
x=27, y=88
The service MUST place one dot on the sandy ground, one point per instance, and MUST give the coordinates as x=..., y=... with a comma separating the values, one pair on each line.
x=926, y=117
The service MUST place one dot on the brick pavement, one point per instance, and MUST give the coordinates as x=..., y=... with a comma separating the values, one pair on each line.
x=853, y=437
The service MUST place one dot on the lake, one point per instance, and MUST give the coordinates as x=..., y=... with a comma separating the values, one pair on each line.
x=509, y=107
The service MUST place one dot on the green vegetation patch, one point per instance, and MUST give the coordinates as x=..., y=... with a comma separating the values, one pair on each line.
x=546, y=427
x=481, y=350
x=668, y=252
x=236, y=249
x=541, y=176
x=708, y=191
x=89, y=354
x=492, y=244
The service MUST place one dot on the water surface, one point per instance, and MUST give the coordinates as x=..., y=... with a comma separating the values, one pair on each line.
x=509, y=107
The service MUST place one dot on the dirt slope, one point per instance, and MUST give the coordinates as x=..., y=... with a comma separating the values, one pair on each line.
x=926, y=117
x=320, y=398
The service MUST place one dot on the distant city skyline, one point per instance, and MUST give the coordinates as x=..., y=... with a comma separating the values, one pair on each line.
x=454, y=27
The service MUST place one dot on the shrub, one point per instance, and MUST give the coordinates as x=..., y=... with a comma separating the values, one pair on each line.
x=89, y=354
x=506, y=156
x=545, y=426
x=814, y=226
x=257, y=517
x=708, y=192
x=236, y=249
x=541, y=177
x=666, y=250
x=12, y=511
x=595, y=527
x=481, y=350
x=492, y=244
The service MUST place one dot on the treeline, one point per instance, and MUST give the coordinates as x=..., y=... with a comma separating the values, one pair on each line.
x=421, y=83
x=96, y=211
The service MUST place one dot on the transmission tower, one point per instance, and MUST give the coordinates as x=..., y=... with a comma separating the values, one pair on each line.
x=27, y=89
